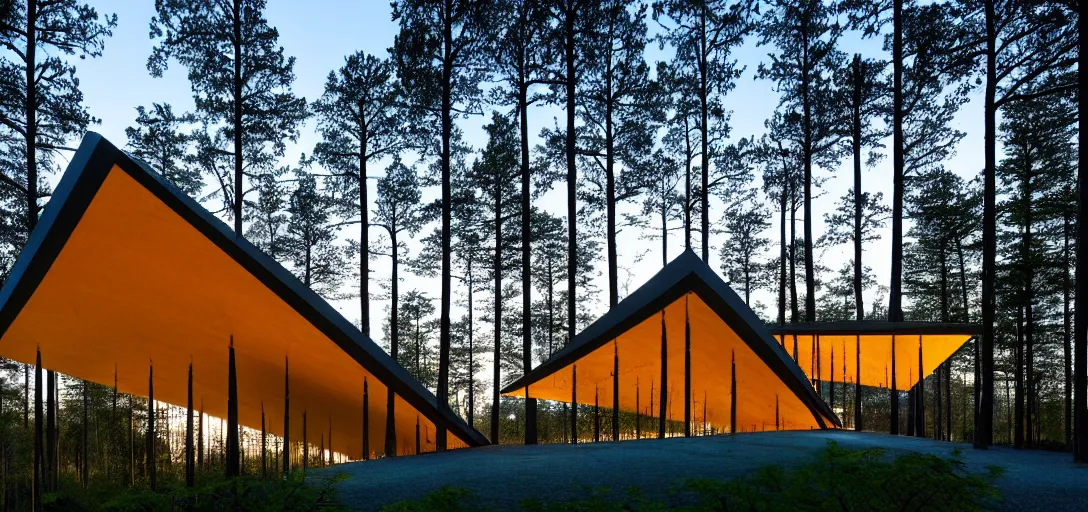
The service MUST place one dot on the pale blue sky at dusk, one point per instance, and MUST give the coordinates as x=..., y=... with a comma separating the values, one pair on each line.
x=320, y=33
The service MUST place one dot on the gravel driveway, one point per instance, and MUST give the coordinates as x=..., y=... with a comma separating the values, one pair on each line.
x=502, y=476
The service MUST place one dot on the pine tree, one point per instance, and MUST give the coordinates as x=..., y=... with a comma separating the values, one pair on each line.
x=1016, y=44
x=662, y=204
x=158, y=139
x=519, y=49
x=360, y=121
x=618, y=109
x=438, y=52
x=268, y=215
x=416, y=328
x=704, y=33
x=745, y=222
x=1039, y=160
x=42, y=107
x=804, y=68
x=497, y=174
x=399, y=212
x=241, y=83
x=310, y=240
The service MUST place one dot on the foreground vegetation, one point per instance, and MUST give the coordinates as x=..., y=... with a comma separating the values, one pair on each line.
x=216, y=494
x=838, y=479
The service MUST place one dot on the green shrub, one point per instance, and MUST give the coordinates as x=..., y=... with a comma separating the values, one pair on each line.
x=854, y=480
x=838, y=479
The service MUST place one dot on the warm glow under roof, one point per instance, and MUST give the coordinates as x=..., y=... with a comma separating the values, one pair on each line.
x=771, y=390
x=123, y=271
x=830, y=351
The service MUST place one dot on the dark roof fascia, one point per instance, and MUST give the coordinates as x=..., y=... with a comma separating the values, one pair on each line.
x=77, y=188
x=874, y=328
x=685, y=273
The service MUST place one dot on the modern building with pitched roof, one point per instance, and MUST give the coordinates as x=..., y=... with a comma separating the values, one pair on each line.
x=687, y=329
x=124, y=271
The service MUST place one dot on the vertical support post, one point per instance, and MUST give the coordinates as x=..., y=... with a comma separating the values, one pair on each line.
x=819, y=367
x=190, y=474
x=733, y=394
x=417, y=435
x=574, y=405
x=948, y=401
x=131, y=443
x=330, y=445
x=50, y=430
x=200, y=437
x=286, y=448
x=26, y=396
x=687, y=370
x=264, y=445
x=232, y=414
x=366, y=420
x=321, y=451
x=662, y=403
x=832, y=404
x=776, y=413
x=919, y=397
x=151, y=444
x=894, y=427
x=857, y=383
x=305, y=445
x=113, y=421
x=39, y=443
x=615, y=391
x=638, y=413
x=86, y=469
x=596, y=415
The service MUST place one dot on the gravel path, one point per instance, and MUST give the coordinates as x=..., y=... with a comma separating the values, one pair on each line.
x=502, y=476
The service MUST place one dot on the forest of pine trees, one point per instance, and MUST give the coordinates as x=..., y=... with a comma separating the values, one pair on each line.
x=528, y=235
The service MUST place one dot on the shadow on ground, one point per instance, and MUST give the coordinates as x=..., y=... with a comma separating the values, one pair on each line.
x=503, y=476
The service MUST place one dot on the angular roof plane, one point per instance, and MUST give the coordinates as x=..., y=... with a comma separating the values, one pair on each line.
x=123, y=270
x=686, y=296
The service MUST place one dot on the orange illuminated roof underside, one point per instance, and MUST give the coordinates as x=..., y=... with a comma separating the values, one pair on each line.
x=832, y=351
x=123, y=272
x=771, y=391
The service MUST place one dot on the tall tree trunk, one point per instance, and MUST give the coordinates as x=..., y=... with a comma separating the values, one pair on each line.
x=1067, y=338
x=984, y=426
x=1018, y=404
x=946, y=316
x=894, y=289
x=704, y=156
x=1029, y=317
x=610, y=197
x=31, y=112
x=471, y=350
x=794, y=315
x=496, y=269
x=806, y=106
x=1080, y=322
x=237, y=121
x=687, y=184
x=526, y=285
x=782, y=252
x=572, y=174
x=394, y=346
x=859, y=71
x=447, y=220
x=364, y=240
